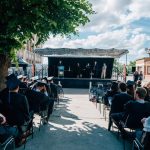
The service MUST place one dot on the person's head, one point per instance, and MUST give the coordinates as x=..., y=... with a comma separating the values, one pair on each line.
x=20, y=77
x=140, y=93
x=50, y=79
x=122, y=87
x=13, y=83
x=34, y=79
x=25, y=79
x=139, y=83
x=114, y=86
x=40, y=86
x=45, y=80
x=130, y=87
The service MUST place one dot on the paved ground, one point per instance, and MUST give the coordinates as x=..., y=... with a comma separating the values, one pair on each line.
x=76, y=124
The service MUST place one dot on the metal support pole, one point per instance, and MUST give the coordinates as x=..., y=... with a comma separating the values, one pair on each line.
x=126, y=59
x=34, y=58
x=126, y=67
x=117, y=69
x=42, y=71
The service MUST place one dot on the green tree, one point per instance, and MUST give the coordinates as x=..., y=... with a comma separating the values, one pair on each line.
x=118, y=66
x=130, y=65
x=21, y=19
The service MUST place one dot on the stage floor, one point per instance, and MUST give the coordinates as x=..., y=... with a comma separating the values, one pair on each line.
x=81, y=82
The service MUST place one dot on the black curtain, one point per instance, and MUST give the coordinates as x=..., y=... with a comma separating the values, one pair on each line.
x=70, y=66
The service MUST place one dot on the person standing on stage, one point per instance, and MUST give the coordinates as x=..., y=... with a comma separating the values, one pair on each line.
x=95, y=70
x=78, y=71
x=88, y=70
x=103, y=74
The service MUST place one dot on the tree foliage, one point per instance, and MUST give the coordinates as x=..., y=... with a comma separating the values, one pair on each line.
x=130, y=65
x=21, y=19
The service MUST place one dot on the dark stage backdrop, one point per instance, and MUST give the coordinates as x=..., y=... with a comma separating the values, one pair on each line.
x=83, y=71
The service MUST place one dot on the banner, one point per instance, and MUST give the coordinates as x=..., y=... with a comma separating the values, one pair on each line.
x=124, y=72
x=61, y=71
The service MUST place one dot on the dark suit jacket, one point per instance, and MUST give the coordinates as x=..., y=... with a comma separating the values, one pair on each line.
x=37, y=100
x=136, y=112
x=16, y=109
x=118, y=102
x=109, y=93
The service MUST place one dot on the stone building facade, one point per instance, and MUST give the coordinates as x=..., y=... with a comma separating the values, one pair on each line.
x=143, y=65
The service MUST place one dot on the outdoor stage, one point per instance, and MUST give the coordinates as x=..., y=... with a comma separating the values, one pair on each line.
x=78, y=68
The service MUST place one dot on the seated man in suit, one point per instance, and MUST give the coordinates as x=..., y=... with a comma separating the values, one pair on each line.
x=119, y=100
x=134, y=112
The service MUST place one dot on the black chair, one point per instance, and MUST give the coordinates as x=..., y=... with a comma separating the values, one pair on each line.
x=60, y=92
x=27, y=130
x=137, y=145
x=8, y=144
x=43, y=113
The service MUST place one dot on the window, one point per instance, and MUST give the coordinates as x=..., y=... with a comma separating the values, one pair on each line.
x=148, y=70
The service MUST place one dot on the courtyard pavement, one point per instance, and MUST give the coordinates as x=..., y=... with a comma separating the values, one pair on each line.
x=76, y=124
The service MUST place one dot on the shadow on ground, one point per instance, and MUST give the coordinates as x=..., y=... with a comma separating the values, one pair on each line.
x=66, y=131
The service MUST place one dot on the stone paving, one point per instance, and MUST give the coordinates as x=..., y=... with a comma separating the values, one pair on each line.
x=76, y=124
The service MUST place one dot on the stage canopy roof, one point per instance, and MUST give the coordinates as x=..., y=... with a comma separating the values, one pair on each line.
x=80, y=52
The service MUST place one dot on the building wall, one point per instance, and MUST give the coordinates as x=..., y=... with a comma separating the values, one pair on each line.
x=144, y=66
x=27, y=52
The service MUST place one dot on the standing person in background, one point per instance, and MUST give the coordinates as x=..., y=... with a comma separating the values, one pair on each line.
x=135, y=76
x=141, y=76
x=124, y=73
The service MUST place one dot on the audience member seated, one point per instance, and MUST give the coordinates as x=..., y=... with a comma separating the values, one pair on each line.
x=15, y=105
x=130, y=88
x=39, y=99
x=53, y=87
x=146, y=133
x=110, y=93
x=147, y=88
x=22, y=84
x=134, y=112
x=5, y=130
x=41, y=87
x=119, y=100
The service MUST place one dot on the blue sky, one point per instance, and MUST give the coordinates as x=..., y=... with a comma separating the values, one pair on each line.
x=121, y=24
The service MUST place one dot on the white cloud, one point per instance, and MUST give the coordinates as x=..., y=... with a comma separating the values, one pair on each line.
x=112, y=27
